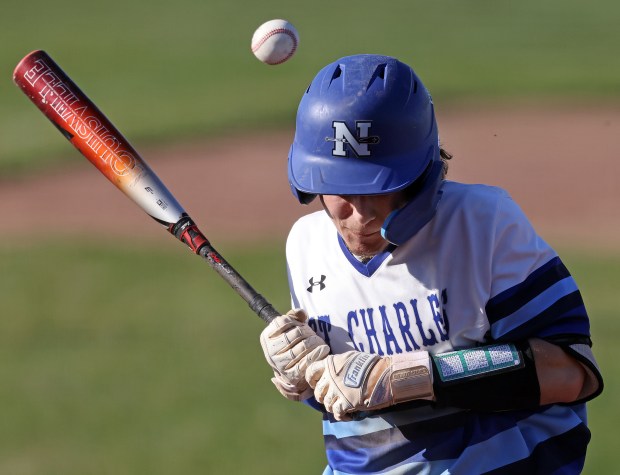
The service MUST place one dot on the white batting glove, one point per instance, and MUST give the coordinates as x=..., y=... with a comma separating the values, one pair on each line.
x=354, y=381
x=290, y=346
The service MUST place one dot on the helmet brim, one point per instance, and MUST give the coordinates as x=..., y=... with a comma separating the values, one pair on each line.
x=319, y=175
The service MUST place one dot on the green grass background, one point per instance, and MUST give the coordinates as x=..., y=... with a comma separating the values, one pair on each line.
x=116, y=359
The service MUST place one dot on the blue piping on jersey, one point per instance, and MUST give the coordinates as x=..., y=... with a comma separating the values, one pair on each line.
x=530, y=310
x=510, y=300
x=369, y=268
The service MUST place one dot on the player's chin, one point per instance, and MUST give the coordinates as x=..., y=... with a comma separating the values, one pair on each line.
x=365, y=244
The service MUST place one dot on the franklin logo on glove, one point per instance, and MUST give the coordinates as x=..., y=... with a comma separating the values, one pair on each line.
x=356, y=371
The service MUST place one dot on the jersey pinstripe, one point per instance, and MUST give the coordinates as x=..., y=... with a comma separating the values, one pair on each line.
x=477, y=273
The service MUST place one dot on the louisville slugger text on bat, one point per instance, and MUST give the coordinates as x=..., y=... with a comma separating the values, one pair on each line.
x=90, y=131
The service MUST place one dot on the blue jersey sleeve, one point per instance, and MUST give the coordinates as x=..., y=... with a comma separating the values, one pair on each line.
x=535, y=295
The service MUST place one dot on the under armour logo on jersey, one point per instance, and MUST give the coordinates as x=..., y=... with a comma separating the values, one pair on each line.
x=320, y=283
x=358, y=143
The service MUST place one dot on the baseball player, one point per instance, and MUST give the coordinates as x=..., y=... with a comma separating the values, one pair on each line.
x=433, y=328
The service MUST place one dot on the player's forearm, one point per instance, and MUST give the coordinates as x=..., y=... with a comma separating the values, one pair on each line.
x=562, y=378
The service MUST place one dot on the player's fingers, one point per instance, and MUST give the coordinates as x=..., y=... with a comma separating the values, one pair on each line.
x=296, y=334
x=284, y=355
x=319, y=353
x=280, y=325
x=303, y=338
x=298, y=314
x=330, y=400
x=278, y=341
x=321, y=390
x=341, y=410
x=342, y=417
x=307, y=351
x=314, y=373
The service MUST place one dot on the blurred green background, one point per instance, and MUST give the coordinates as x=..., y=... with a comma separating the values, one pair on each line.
x=126, y=359
x=167, y=71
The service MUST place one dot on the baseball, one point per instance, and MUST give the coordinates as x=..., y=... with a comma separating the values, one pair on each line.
x=275, y=41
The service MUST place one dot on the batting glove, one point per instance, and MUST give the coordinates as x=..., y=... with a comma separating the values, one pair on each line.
x=354, y=381
x=290, y=346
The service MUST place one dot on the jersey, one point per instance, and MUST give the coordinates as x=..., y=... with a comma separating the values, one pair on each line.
x=477, y=273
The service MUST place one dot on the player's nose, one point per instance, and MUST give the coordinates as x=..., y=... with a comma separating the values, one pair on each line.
x=364, y=210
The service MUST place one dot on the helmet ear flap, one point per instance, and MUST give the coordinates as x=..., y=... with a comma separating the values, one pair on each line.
x=404, y=223
x=305, y=198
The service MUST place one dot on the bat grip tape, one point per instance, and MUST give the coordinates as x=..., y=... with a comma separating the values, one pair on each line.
x=186, y=231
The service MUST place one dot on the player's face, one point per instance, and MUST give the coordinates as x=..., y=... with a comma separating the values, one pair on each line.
x=358, y=219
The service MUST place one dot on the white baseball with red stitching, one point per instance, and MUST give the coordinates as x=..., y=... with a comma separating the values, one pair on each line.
x=275, y=41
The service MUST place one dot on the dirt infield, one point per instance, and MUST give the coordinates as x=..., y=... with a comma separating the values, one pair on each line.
x=561, y=165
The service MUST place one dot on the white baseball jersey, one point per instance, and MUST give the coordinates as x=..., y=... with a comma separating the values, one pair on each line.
x=476, y=273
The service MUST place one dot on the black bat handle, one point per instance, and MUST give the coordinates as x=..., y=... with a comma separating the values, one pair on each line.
x=186, y=231
x=256, y=301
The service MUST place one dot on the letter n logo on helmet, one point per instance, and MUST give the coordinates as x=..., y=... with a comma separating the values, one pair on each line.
x=358, y=143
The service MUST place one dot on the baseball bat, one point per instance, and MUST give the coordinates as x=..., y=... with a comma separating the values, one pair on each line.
x=90, y=131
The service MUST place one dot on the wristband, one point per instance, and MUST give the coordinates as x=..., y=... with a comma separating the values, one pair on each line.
x=489, y=378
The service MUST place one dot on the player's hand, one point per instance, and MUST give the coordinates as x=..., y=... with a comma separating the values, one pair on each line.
x=290, y=346
x=355, y=381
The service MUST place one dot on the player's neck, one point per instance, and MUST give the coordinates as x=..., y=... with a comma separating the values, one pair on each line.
x=362, y=259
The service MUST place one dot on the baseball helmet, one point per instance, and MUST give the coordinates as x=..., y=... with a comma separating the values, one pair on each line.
x=366, y=126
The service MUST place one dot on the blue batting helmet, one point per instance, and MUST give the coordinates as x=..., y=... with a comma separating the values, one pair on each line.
x=366, y=126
